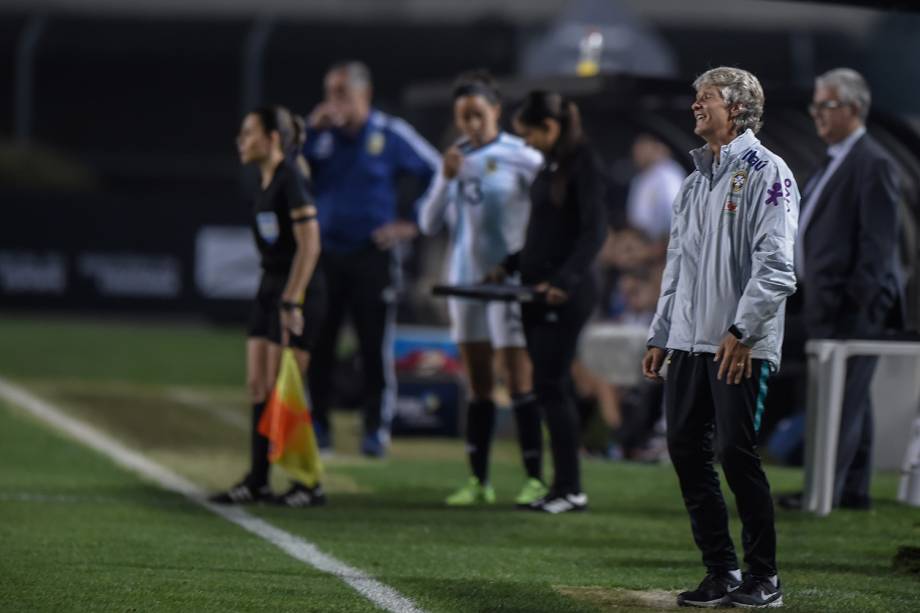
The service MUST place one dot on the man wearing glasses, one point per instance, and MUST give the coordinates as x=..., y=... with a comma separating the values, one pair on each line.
x=846, y=261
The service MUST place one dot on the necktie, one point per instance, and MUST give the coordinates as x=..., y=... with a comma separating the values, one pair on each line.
x=816, y=178
x=805, y=214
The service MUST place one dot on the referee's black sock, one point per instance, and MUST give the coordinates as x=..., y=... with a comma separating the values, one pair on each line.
x=530, y=433
x=480, y=423
x=258, y=468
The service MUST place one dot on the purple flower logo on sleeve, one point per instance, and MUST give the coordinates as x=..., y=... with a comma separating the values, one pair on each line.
x=774, y=193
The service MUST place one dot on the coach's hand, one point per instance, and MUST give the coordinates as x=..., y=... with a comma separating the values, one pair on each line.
x=324, y=116
x=391, y=234
x=736, y=360
x=652, y=363
x=554, y=295
x=453, y=160
x=496, y=275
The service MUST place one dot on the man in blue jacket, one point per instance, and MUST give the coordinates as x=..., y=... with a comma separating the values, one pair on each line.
x=356, y=155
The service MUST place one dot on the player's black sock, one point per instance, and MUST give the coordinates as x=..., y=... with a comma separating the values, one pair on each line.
x=258, y=468
x=530, y=433
x=480, y=422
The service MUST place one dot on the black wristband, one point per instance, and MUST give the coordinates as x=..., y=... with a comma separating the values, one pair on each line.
x=297, y=220
x=734, y=331
x=290, y=306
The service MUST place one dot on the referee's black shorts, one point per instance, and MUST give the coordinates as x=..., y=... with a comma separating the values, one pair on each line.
x=265, y=319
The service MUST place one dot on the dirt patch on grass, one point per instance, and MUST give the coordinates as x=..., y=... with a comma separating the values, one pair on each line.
x=620, y=599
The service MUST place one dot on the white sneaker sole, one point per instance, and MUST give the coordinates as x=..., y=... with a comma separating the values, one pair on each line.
x=774, y=604
x=725, y=601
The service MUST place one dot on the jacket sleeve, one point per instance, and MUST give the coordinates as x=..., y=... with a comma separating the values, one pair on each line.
x=433, y=205
x=592, y=225
x=877, y=237
x=309, y=146
x=414, y=155
x=660, y=328
x=773, y=212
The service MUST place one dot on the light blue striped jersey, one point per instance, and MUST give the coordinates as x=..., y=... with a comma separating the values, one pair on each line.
x=486, y=206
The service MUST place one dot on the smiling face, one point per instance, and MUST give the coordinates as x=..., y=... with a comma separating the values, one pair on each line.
x=476, y=118
x=712, y=116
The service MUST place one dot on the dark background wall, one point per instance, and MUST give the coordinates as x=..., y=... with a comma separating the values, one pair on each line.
x=132, y=118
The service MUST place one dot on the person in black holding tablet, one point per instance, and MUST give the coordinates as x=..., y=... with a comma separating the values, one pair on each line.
x=566, y=230
x=290, y=302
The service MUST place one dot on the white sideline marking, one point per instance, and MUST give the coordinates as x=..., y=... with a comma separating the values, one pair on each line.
x=200, y=402
x=378, y=593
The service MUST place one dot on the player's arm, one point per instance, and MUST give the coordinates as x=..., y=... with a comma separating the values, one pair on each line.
x=433, y=206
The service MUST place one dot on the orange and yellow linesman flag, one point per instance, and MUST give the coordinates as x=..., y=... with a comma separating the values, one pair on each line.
x=287, y=424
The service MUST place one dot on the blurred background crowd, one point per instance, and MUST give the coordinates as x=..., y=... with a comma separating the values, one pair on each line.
x=122, y=194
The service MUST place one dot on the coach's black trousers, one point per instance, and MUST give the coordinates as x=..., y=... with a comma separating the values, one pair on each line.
x=709, y=420
x=552, y=340
x=359, y=284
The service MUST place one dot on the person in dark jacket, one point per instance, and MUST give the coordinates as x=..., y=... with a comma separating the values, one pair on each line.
x=566, y=230
x=846, y=261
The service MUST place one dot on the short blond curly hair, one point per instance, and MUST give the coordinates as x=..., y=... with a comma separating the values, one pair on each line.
x=737, y=87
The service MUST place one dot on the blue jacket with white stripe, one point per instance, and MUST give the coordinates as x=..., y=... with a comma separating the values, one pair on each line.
x=354, y=176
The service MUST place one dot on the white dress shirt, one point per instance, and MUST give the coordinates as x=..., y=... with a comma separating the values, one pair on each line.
x=837, y=152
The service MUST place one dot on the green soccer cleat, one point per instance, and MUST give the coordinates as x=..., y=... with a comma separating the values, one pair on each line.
x=533, y=490
x=471, y=493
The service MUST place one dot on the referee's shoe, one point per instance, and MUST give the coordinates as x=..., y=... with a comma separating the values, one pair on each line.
x=300, y=496
x=714, y=591
x=243, y=492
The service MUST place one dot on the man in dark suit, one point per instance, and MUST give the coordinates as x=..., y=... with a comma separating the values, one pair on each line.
x=846, y=261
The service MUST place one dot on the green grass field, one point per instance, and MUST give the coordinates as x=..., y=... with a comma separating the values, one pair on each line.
x=78, y=533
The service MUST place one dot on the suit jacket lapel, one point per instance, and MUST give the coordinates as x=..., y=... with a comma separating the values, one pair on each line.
x=841, y=173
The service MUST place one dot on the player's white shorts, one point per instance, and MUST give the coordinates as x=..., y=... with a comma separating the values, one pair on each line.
x=498, y=323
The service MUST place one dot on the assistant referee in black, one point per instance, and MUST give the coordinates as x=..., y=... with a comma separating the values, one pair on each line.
x=290, y=303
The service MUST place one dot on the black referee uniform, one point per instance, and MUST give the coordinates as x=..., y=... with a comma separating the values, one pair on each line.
x=274, y=234
x=566, y=230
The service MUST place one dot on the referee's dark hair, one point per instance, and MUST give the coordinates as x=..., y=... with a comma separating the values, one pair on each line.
x=291, y=129
x=540, y=105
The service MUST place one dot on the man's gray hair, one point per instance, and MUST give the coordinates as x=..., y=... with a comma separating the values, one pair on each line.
x=850, y=86
x=359, y=75
x=737, y=87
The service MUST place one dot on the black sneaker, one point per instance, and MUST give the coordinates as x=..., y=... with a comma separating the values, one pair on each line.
x=300, y=496
x=757, y=593
x=713, y=592
x=242, y=493
x=560, y=503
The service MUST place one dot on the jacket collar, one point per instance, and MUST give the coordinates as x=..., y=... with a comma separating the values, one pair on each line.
x=703, y=159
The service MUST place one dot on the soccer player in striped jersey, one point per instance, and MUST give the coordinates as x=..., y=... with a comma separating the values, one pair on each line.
x=482, y=194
